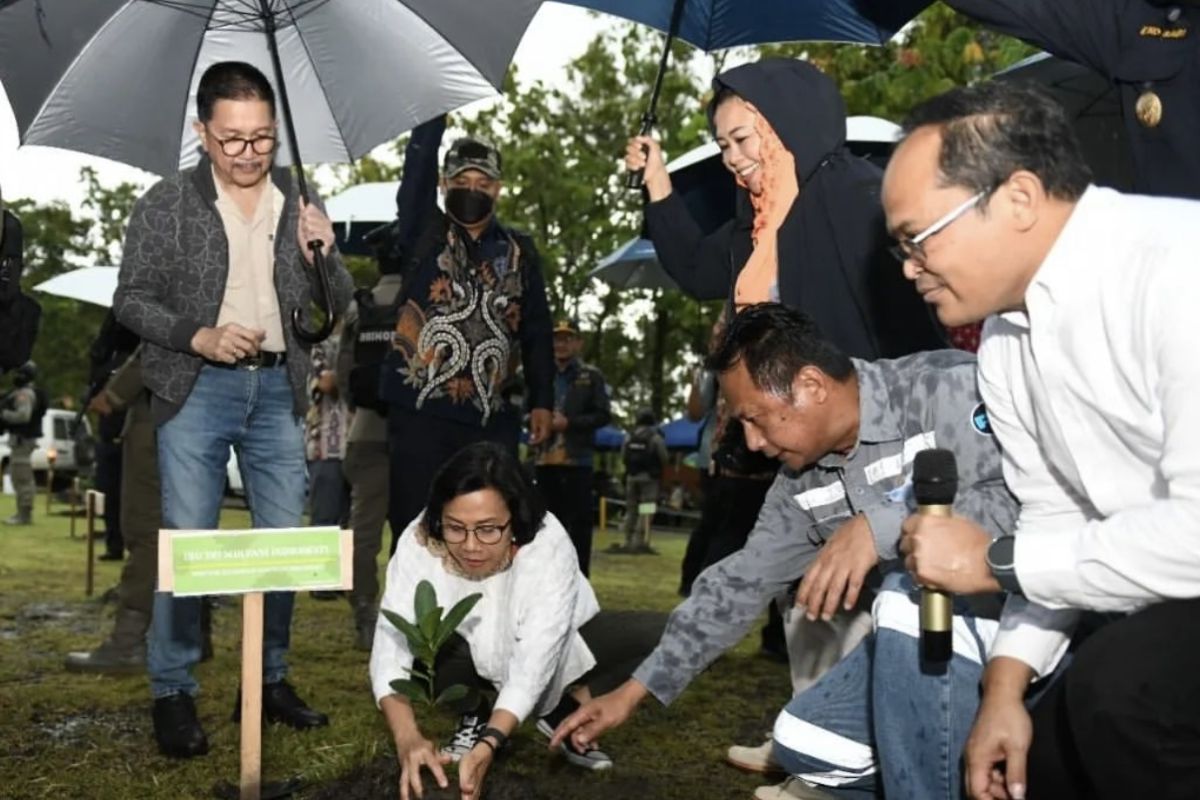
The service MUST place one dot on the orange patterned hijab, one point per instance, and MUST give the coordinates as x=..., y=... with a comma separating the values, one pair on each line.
x=780, y=189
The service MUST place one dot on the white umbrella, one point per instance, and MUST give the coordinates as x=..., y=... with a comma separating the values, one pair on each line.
x=90, y=285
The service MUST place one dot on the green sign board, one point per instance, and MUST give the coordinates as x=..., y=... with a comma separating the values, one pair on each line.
x=263, y=560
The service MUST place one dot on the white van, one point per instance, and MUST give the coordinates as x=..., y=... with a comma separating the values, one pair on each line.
x=57, y=443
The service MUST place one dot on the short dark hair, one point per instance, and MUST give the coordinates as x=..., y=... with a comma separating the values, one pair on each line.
x=231, y=80
x=992, y=129
x=486, y=465
x=776, y=342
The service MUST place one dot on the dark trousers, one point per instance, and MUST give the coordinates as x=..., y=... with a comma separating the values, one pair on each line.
x=1123, y=720
x=420, y=444
x=328, y=493
x=619, y=641
x=567, y=491
x=727, y=516
x=108, y=481
x=141, y=509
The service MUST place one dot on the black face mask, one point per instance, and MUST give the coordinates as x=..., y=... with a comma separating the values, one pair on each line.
x=468, y=206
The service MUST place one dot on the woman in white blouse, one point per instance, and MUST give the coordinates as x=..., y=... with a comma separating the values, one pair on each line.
x=536, y=636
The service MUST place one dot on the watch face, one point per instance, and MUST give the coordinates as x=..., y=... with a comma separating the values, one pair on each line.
x=1000, y=554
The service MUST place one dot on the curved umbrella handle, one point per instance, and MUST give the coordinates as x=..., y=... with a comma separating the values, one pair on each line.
x=325, y=301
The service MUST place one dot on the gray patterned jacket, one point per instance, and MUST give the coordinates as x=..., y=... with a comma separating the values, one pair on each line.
x=173, y=273
x=906, y=405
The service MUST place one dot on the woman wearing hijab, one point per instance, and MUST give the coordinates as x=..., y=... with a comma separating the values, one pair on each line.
x=536, y=640
x=809, y=229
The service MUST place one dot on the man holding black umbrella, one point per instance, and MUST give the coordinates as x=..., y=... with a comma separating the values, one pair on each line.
x=211, y=256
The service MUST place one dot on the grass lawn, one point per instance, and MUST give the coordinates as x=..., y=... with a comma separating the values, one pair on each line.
x=72, y=736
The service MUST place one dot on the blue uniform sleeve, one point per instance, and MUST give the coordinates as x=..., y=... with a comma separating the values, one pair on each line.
x=417, y=194
x=1085, y=31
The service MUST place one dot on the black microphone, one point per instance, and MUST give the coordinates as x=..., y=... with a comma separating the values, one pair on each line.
x=935, y=482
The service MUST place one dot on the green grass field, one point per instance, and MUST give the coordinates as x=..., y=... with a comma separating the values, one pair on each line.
x=71, y=736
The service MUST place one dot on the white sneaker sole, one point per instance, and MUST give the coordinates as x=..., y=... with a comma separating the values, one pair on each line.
x=582, y=762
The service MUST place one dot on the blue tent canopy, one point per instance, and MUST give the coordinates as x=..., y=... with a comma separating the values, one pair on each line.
x=681, y=434
x=610, y=437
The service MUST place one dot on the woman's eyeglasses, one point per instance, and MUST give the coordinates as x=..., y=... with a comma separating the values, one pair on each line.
x=487, y=533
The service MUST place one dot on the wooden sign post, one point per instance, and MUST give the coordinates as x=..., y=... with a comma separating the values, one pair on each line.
x=251, y=563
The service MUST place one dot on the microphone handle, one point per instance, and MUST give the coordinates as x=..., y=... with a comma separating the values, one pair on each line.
x=937, y=611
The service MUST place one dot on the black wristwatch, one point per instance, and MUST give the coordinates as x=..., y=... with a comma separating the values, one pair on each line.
x=497, y=737
x=1001, y=558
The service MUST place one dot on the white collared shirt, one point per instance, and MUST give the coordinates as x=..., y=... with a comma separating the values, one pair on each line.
x=1094, y=394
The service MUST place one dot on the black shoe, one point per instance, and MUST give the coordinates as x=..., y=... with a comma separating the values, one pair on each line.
x=112, y=556
x=280, y=703
x=176, y=728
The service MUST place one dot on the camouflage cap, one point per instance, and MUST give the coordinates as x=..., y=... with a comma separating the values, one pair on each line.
x=470, y=153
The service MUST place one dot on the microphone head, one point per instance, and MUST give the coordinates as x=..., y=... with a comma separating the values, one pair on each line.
x=935, y=477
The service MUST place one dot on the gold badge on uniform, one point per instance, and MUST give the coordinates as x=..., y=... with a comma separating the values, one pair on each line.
x=1149, y=109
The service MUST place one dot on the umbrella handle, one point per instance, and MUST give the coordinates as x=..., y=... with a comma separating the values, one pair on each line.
x=634, y=178
x=325, y=300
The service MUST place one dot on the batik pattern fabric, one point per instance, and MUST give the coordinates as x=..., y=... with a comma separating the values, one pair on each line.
x=457, y=342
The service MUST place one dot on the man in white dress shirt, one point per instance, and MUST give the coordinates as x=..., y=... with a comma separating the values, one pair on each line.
x=1091, y=380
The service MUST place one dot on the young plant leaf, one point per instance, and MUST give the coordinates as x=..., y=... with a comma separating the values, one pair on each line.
x=452, y=694
x=410, y=689
x=429, y=625
x=411, y=632
x=425, y=600
x=456, y=616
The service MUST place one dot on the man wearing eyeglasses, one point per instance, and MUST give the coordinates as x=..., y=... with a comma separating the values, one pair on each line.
x=213, y=258
x=1090, y=376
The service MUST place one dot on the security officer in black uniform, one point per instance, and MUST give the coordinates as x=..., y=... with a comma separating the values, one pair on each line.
x=1149, y=48
x=564, y=462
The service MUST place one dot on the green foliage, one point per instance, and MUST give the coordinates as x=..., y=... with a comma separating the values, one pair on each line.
x=59, y=240
x=425, y=638
x=941, y=50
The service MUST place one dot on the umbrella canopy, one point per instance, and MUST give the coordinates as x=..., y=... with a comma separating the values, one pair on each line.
x=710, y=195
x=1094, y=105
x=682, y=434
x=717, y=24
x=117, y=78
x=633, y=265
x=610, y=437
x=93, y=285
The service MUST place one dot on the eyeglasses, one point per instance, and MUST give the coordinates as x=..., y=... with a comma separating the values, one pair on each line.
x=236, y=145
x=487, y=533
x=911, y=248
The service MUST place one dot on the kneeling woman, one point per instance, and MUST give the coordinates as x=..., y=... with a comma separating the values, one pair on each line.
x=535, y=636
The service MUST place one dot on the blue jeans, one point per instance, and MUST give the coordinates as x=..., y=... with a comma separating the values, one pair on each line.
x=251, y=411
x=878, y=724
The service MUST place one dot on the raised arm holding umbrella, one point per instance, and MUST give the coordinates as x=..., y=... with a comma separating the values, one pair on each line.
x=719, y=24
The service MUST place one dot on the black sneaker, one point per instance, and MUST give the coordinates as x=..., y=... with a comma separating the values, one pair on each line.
x=591, y=758
x=470, y=727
